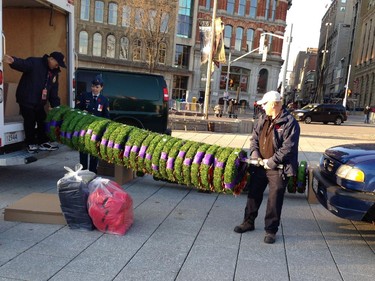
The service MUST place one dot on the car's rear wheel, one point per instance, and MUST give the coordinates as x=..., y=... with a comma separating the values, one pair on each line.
x=308, y=120
x=338, y=121
x=325, y=122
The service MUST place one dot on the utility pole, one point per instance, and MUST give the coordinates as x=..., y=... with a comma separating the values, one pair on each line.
x=286, y=63
x=227, y=81
x=209, y=63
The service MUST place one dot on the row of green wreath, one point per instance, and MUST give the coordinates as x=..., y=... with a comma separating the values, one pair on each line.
x=208, y=167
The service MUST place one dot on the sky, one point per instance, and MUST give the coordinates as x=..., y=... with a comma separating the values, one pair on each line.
x=306, y=17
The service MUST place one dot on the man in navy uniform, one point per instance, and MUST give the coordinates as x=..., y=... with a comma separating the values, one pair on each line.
x=95, y=103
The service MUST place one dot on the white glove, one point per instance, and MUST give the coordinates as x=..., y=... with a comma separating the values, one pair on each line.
x=265, y=164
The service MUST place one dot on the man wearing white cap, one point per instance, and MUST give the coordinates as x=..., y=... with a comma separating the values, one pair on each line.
x=274, y=143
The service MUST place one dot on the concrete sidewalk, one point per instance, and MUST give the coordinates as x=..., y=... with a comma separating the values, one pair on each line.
x=181, y=234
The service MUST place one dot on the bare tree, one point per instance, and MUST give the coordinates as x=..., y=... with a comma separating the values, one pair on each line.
x=149, y=26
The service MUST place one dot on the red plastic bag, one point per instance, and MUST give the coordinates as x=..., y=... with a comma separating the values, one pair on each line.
x=110, y=207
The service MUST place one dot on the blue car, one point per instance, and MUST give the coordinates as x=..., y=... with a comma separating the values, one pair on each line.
x=344, y=181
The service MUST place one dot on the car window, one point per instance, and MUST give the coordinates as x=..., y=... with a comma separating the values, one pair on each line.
x=309, y=107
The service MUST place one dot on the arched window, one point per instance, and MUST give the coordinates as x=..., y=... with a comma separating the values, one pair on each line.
x=97, y=45
x=230, y=6
x=267, y=10
x=85, y=10
x=137, y=49
x=253, y=9
x=83, y=42
x=139, y=15
x=228, y=35
x=126, y=16
x=162, y=52
x=150, y=51
x=112, y=13
x=250, y=39
x=262, y=81
x=99, y=11
x=239, y=36
x=124, y=48
x=111, y=43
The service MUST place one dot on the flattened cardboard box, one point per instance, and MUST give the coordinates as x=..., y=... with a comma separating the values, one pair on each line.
x=36, y=208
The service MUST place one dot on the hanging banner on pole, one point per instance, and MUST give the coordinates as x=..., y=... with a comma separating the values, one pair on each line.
x=205, y=32
x=219, y=51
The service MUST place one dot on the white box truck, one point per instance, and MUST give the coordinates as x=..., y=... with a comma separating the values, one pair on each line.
x=31, y=28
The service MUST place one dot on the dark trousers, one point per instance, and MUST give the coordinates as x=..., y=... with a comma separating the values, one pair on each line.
x=32, y=117
x=277, y=182
x=84, y=160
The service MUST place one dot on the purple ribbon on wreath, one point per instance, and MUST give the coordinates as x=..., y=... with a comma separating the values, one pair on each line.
x=110, y=144
x=181, y=154
x=62, y=134
x=219, y=164
x=207, y=159
x=68, y=135
x=155, y=167
x=148, y=156
x=127, y=151
x=142, y=151
x=134, y=149
x=103, y=142
x=93, y=137
x=82, y=133
x=75, y=134
x=187, y=161
x=240, y=166
x=89, y=131
x=198, y=157
x=170, y=163
x=163, y=156
x=117, y=146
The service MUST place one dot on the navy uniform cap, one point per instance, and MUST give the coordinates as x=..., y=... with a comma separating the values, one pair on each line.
x=98, y=80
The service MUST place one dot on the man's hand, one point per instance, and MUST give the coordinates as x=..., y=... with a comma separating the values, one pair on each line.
x=8, y=59
x=265, y=164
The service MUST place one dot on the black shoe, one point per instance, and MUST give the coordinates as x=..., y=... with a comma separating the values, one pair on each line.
x=270, y=238
x=47, y=146
x=245, y=226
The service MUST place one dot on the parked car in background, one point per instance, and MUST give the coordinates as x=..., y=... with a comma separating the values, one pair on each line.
x=344, y=181
x=324, y=112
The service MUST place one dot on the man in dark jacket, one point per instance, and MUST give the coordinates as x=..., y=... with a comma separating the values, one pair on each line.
x=275, y=144
x=95, y=103
x=38, y=84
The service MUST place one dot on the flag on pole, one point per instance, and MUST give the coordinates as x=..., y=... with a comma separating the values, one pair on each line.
x=219, y=51
x=205, y=38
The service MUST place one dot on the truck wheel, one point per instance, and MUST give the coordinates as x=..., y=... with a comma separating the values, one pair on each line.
x=308, y=120
x=338, y=121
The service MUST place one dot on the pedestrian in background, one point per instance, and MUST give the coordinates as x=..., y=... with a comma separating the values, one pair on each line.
x=366, y=112
x=39, y=83
x=95, y=103
x=218, y=111
x=274, y=143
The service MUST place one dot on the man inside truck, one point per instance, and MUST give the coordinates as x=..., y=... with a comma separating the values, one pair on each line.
x=38, y=84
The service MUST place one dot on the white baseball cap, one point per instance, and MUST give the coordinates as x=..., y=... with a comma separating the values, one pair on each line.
x=270, y=96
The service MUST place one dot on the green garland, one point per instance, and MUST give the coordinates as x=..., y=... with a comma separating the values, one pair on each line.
x=69, y=116
x=172, y=155
x=141, y=163
x=164, y=156
x=104, y=141
x=119, y=144
x=132, y=137
x=54, y=121
x=77, y=130
x=94, y=135
x=87, y=121
x=179, y=162
x=194, y=170
x=206, y=167
x=186, y=167
x=134, y=152
x=150, y=152
x=111, y=142
x=219, y=167
x=235, y=169
x=155, y=159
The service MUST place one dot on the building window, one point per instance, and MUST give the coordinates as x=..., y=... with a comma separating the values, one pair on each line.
x=124, y=48
x=230, y=6
x=137, y=49
x=273, y=15
x=150, y=51
x=239, y=36
x=162, y=53
x=97, y=45
x=112, y=14
x=83, y=42
x=185, y=19
x=126, y=16
x=164, y=23
x=262, y=81
x=267, y=10
x=250, y=39
x=180, y=84
x=111, y=43
x=99, y=11
x=139, y=15
x=228, y=29
x=241, y=7
x=85, y=9
x=253, y=9
x=208, y=4
x=238, y=77
x=342, y=9
x=182, y=56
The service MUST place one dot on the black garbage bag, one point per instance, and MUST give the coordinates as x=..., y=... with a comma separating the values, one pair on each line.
x=73, y=193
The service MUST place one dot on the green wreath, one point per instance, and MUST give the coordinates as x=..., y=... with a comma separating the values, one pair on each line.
x=85, y=119
x=141, y=164
x=119, y=144
x=150, y=152
x=206, y=167
x=179, y=162
x=219, y=167
x=235, y=169
x=54, y=121
x=111, y=142
x=103, y=143
x=164, y=156
x=194, y=170
x=70, y=127
x=134, y=152
x=172, y=155
x=69, y=116
x=186, y=167
x=94, y=135
x=155, y=159
x=128, y=146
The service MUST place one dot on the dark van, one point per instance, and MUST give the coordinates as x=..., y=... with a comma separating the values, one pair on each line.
x=136, y=99
x=324, y=112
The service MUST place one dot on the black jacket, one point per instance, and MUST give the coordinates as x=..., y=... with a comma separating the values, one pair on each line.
x=34, y=79
x=285, y=142
x=100, y=107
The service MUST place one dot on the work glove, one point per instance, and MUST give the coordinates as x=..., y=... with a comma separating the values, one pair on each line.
x=265, y=164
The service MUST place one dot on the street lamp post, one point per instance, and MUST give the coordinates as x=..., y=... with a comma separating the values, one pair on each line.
x=325, y=51
x=227, y=82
